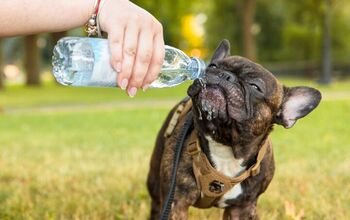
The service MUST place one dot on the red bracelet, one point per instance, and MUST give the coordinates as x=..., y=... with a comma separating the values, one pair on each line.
x=92, y=27
x=97, y=7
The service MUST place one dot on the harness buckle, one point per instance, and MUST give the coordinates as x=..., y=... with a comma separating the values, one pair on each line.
x=193, y=148
x=216, y=187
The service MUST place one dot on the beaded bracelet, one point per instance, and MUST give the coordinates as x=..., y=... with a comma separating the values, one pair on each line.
x=92, y=27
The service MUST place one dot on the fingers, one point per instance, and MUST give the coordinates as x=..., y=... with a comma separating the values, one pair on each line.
x=156, y=62
x=129, y=53
x=135, y=42
x=143, y=58
x=116, y=39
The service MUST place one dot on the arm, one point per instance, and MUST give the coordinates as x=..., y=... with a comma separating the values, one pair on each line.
x=21, y=17
x=135, y=37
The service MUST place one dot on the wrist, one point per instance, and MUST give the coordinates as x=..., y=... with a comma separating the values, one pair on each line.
x=108, y=7
x=103, y=15
x=86, y=9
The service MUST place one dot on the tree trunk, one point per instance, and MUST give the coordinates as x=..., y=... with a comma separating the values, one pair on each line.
x=32, y=61
x=248, y=14
x=327, y=58
x=1, y=67
x=58, y=35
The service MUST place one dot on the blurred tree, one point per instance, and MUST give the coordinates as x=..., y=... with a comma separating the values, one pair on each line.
x=326, y=61
x=285, y=30
x=340, y=27
x=302, y=30
x=248, y=15
x=32, y=60
x=270, y=23
x=1, y=67
x=224, y=23
x=58, y=35
x=170, y=14
x=193, y=34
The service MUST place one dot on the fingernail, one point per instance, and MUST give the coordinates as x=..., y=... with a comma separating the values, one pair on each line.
x=124, y=84
x=132, y=91
x=118, y=67
x=145, y=87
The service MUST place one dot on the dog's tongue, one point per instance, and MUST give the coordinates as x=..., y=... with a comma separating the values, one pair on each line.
x=213, y=95
x=213, y=102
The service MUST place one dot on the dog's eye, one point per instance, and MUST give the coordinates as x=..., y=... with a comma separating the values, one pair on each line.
x=213, y=66
x=256, y=87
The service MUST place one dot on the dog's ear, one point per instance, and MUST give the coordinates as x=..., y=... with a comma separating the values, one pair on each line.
x=297, y=103
x=222, y=51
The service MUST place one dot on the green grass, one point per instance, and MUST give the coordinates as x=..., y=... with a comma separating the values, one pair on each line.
x=52, y=95
x=91, y=162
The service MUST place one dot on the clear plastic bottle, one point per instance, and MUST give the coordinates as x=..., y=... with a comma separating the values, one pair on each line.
x=82, y=61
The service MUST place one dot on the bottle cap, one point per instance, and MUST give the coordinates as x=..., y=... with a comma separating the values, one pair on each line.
x=198, y=68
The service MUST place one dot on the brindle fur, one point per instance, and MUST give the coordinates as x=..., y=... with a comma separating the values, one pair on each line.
x=245, y=136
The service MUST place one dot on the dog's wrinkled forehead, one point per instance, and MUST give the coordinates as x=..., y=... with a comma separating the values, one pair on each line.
x=245, y=69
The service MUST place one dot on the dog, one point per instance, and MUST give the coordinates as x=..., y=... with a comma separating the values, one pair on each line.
x=234, y=108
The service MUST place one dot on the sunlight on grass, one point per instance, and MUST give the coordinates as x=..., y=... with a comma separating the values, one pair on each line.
x=92, y=163
x=53, y=95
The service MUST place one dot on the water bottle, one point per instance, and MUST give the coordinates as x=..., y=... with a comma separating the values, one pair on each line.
x=83, y=61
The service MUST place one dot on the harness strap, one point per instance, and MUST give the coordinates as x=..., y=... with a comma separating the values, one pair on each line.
x=210, y=181
x=178, y=115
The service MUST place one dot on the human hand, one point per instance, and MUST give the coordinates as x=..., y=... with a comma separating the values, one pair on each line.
x=135, y=41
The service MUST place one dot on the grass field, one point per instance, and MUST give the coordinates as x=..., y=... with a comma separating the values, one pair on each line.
x=68, y=153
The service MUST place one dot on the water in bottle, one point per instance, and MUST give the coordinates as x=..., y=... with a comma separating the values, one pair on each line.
x=82, y=61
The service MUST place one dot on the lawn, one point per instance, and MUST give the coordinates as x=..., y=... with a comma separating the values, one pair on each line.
x=78, y=153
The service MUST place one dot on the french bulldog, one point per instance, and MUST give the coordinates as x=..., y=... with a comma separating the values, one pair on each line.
x=235, y=106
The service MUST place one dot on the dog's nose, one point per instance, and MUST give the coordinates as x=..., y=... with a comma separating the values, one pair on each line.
x=227, y=76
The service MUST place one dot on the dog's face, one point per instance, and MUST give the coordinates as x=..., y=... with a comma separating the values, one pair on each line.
x=238, y=100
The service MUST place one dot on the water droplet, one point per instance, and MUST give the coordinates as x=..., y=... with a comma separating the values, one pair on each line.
x=209, y=117
x=202, y=82
x=200, y=114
